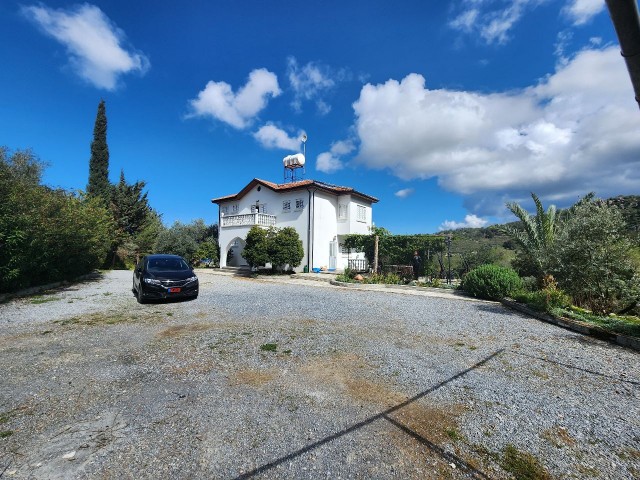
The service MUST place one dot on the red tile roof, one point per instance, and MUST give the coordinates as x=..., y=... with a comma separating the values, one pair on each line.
x=281, y=187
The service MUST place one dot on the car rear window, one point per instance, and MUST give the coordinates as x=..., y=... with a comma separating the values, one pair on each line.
x=166, y=265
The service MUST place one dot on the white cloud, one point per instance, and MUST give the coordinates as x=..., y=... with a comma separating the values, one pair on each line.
x=218, y=100
x=581, y=11
x=93, y=43
x=311, y=82
x=331, y=161
x=470, y=221
x=273, y=137
x=493, y=21
x=404, y=193
x=466, y=20
x=573, y=132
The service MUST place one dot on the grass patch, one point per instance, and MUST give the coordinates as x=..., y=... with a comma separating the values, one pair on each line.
x=6, y=433
x=97, y=319
x=453, y=434
x=42, y=299
x=523, y=465
x=269, y=347
x=625, y=325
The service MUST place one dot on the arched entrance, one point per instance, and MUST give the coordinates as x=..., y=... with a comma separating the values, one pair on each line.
x=233, y=253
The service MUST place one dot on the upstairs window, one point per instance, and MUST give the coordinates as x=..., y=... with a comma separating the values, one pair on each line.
x=361, y=214
x=225, y=210
x=234, y=209
x=286, y=206
x=299, y=203
x=343, y=211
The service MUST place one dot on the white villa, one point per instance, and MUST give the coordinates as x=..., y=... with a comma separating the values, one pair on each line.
x=321, y=213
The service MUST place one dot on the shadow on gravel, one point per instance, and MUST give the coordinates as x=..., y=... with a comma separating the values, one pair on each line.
x=449, y=457
x=573, y=367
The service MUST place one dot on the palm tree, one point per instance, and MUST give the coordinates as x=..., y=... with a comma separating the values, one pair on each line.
x=537, y=232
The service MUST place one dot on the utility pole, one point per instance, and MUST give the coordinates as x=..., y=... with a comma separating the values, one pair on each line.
x=448, y=242
x=624, y=14
x=375, y=254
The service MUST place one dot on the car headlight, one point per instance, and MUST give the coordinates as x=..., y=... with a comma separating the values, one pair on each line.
x=192, y=279
x=152, y=281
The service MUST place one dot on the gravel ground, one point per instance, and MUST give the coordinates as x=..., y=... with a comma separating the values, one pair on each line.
x=362, y=384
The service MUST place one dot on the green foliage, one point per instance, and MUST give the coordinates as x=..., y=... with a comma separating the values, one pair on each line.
x=185, y=239
x=545, y=300
x=46, y=235
x=397, y=249
x=535, y=234
x=523, y=465
x=591, y=259
x=385, y=279
x=132, y=215
x=621, y=324
x=99, y=185
x=208, y=249
x=492, y=282
x=285, y=247
x=278, y=246
x=256, y=250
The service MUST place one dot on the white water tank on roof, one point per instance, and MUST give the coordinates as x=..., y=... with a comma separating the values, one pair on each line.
x=293, y=161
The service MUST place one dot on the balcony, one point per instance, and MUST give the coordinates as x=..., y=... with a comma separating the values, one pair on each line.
x=248, y=220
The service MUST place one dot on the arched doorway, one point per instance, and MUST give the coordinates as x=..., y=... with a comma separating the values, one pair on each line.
x=233, y=253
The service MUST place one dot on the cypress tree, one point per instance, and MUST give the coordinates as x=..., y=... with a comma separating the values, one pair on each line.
x=99, y=185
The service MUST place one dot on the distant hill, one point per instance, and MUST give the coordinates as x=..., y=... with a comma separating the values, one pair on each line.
x=492, y=241
x=630, y=206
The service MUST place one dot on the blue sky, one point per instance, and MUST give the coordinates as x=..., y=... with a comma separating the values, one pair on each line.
x=442, y=110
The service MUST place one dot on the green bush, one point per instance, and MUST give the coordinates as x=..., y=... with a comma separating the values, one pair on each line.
x=385, y=279
x=492, y=282
x=545, y=300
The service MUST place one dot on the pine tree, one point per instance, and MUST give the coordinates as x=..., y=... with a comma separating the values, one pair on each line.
x=99, y=185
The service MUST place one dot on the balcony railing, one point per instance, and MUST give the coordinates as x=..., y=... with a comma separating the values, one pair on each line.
x=358, y=264
x=248, y=219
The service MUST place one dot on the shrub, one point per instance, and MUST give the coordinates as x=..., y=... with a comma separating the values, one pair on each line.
x=492, y=282
x=545, y=300
x=591, y=258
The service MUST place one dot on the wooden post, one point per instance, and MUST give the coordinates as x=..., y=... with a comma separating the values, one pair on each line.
x=375, y=254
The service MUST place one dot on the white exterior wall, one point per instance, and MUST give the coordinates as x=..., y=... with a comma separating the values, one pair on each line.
x=324, y=227
x=296, y=218
x=327, y=226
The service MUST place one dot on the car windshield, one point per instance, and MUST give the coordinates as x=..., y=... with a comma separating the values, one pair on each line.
x=166, y=265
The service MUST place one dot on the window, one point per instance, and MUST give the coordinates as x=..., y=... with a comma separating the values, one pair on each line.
x=225, y=210
x=342, y=211
x=234, y=209
x=299, y=203
x=344, y=250
x=286, y=206
x=361, y=214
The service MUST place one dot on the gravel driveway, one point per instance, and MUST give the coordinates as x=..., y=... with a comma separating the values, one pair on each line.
x=299, y=379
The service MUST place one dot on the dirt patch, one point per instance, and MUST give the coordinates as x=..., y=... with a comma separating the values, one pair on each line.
x=348, y=373
x=436, y=423
x=182, y=330
x=253, y=378
x=558, y=437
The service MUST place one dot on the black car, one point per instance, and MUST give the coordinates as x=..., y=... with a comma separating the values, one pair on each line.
x=164, y=276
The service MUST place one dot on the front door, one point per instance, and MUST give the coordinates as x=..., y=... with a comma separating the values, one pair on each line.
x=333, y=254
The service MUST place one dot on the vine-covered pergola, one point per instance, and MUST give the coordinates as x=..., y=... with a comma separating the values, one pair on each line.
x=398, y=249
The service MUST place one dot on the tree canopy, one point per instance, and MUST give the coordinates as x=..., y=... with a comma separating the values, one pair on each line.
x=99, y=185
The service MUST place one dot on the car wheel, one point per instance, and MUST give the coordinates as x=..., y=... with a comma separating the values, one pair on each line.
x=139, y=296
